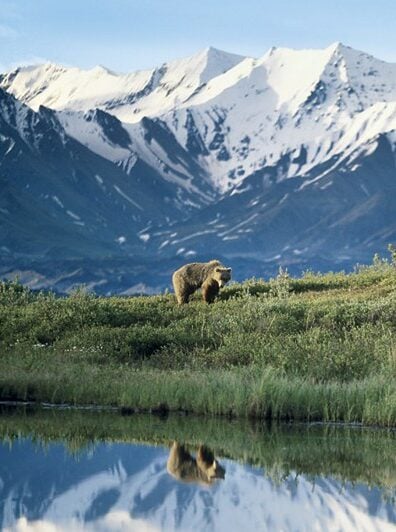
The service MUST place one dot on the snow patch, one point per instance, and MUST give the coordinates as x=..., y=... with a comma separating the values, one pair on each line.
x=73, y=215
x=145, y=237
x=58, y=201
x=128, y=198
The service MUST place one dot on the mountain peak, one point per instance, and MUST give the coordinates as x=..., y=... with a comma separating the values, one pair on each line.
x=201, y=67
x=337, y=46
x=217, y=62
x=211, y=51
x=339, y=49
x=100, y=69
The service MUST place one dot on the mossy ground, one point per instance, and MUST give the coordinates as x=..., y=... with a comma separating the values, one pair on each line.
x=319, y=347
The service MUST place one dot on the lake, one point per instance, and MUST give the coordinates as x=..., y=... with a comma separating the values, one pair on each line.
x=63, y=469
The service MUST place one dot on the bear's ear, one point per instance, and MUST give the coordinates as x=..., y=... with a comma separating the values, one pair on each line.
x=218, y=270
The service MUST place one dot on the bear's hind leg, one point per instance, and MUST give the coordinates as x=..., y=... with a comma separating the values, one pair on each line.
x=182, y=299
x=182, y=292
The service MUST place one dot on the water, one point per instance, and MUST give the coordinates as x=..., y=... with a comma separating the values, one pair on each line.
x=65, y=470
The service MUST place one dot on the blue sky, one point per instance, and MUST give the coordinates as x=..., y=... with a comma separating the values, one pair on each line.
x=132, y=34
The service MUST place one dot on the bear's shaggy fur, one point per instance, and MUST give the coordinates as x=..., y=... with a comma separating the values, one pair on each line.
x=211, y=276
x=203, y=469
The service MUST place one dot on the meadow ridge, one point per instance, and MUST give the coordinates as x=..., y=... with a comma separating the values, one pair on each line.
x=320, y=347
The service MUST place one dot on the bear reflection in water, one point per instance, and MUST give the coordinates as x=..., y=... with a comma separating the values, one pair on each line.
x=204, y=469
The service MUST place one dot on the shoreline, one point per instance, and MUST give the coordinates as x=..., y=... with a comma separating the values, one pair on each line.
x=182, y=413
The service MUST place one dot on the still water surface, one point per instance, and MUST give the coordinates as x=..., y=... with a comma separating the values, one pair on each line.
x=100, y=471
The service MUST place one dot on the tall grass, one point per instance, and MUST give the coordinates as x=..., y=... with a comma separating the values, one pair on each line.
x=243, y=392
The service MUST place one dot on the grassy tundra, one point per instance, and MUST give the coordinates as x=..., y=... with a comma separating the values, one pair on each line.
x=322, y=347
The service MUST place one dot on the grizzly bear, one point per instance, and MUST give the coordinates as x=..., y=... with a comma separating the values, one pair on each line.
x=204, y=469
x=211, y=276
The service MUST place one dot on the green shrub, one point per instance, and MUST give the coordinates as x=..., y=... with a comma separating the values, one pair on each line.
x=14, y=293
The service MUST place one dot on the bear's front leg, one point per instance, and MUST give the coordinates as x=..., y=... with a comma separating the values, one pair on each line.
x=210, y=289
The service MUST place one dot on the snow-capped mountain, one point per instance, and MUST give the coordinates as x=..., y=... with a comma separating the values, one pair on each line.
x=243, y=113
x=287, y=158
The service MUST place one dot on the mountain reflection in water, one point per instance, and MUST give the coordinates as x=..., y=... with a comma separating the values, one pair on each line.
x=49, y=480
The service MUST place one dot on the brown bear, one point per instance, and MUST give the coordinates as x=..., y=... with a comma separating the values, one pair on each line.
x=211, y=276
x=204, y=469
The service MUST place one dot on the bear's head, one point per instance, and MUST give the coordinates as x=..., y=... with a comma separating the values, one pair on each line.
x=208, y=464
x=222, y=275
x=215, y=471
